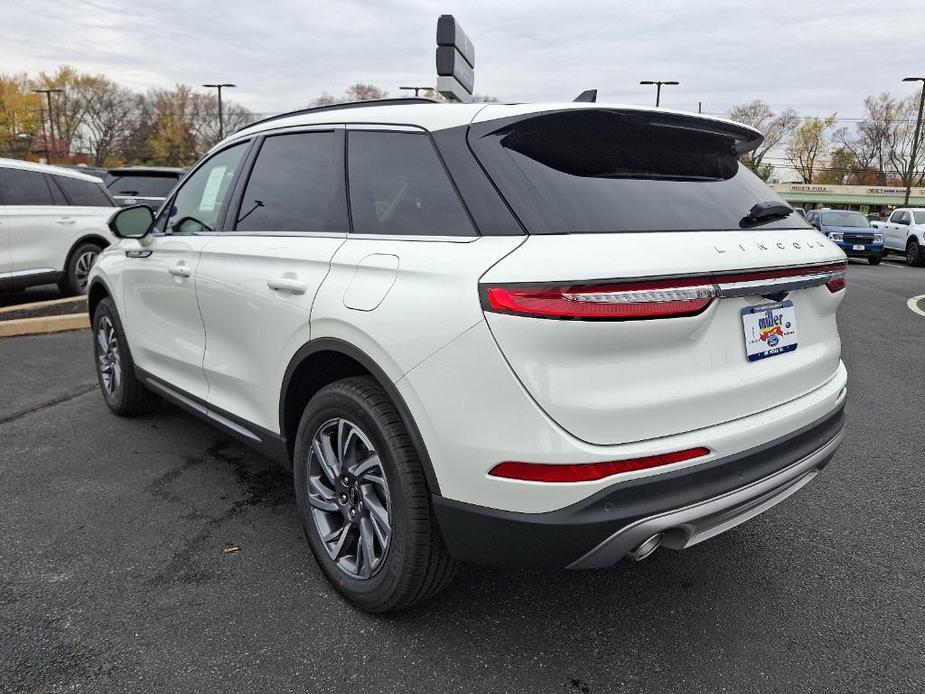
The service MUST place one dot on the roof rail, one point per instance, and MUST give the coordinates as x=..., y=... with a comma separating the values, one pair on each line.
x=348, y=104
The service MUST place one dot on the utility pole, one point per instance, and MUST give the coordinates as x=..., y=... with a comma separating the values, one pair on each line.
x=417, y=90
x=221, y=123
x=658, y=88
x=51, y=123
x=915, y=138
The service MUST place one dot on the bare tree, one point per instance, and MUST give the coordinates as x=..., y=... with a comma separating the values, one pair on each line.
x=809, y=145
x=775, y=127
x=871, y=141
x=900, y=147
x=109, y=114
x=364, y=92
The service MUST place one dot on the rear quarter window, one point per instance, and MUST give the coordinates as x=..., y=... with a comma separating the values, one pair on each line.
x=83, y=193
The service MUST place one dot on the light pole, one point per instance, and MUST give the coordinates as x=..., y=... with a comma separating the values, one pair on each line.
x=51, y=125
x=221, y=125
x=658, y=88
x=915, y=138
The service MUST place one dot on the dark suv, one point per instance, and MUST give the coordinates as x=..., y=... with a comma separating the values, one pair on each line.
x=143, y=185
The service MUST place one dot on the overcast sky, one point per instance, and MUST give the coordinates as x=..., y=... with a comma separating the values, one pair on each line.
x=816, y=56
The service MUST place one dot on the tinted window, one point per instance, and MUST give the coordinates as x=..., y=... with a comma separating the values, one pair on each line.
x=919, y=217
x=24, y=188
x=293, y=186
x=200, y=201
x=607, y=171
x=143, y=186
x=399, y=186
x=83, y=192
x=838, y=218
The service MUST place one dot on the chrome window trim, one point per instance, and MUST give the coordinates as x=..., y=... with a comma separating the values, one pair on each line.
x=312, y=234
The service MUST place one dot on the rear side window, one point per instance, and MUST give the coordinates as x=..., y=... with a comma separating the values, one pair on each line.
x=143, y=186
x=293, y=186
x=83, y=193
x=596, y=170
x=24, y=188
x=398, y=186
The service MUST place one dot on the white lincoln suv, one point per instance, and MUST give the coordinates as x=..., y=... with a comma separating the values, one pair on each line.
x=525, y=335
x=52, y=225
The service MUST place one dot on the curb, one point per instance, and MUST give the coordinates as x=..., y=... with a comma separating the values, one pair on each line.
x=41, y=304
x=44, y=324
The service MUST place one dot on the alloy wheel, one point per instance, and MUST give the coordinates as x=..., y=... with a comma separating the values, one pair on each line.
x=82, y=268
x=107, y=354
x=348, y=493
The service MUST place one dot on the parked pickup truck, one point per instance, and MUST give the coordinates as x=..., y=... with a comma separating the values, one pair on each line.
x=851, y=232
x=904, y=232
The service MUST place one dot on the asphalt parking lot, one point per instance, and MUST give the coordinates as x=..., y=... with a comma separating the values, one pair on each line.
x=113, y=576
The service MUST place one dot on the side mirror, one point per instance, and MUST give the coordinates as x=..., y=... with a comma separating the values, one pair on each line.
x=132, y=222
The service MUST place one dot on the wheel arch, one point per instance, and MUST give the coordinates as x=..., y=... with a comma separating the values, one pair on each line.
x=326, y=360
x=98, y=239
x=96, y=292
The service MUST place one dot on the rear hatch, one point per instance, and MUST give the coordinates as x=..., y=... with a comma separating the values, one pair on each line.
x=664, y=288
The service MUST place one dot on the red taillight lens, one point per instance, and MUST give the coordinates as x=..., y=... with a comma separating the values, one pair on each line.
x=630, y=300
x=588, y=472
x=837, y=283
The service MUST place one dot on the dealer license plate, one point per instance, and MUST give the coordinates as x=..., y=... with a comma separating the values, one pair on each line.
x=770, y=329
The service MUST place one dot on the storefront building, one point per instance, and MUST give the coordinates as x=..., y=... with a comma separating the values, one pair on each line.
x=865, y=199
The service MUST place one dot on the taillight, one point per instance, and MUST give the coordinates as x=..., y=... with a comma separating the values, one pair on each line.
x=626, y=300
x=589, y=472
x=664, y=298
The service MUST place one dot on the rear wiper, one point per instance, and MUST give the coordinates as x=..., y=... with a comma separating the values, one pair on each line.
x=765, y=212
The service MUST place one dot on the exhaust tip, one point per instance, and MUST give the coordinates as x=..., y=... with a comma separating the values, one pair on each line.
x=645, y=548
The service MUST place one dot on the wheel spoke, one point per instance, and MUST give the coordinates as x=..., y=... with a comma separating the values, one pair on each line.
x=321, y=453
x=341, y=541
x=366, y=542
x=365, y=466
x=377, y=510
x=323, y=504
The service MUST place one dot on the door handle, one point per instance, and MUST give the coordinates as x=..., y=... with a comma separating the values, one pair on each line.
x=66, y=220
x=288, y=284
x=179, y=271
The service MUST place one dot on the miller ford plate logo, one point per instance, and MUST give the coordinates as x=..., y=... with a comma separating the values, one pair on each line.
x=770, y=329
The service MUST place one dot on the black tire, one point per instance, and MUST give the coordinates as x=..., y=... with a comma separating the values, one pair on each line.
x=874, y=259
x=78, y=266
x=914, y=254
x=414, y=564
x=124, y=393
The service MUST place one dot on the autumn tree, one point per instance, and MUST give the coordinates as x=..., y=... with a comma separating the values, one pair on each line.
x=20, y=116
x=111, y=113
x=775, y=127
x=808, y=146
x=843, y=168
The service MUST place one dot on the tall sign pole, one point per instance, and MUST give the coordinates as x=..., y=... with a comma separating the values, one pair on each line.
x=455, y=60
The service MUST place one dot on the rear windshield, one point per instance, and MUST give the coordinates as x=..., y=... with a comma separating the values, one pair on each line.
x=143, y=186
x=615, y=171
x=844, y=219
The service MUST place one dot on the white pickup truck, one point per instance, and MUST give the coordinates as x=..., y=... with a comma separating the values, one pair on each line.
x=904, y=232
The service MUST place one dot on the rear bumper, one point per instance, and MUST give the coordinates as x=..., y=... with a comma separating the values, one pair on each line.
x=688, y=506
x=869, y=249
